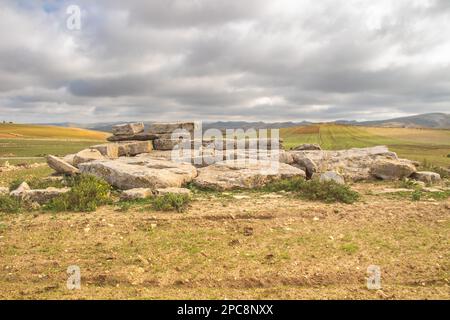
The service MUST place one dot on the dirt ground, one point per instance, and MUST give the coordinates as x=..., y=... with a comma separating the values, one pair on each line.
x=228, y=246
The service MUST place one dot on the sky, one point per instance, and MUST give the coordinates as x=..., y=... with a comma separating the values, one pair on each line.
x=251, y=60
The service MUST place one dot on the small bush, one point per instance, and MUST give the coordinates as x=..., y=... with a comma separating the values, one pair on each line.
x=408, y=184
x=416, y=195
x=10, y=204
x=327, y=191
x=86, y=194
x=171, y=201
x=293, y=184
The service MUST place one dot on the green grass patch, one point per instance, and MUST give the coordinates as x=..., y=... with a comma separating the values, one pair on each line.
x=38, y=183
x=10, y=204
x=349, y=248
x=86, y=194
x=171, y=201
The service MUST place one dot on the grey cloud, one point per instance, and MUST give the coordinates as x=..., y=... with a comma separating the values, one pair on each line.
x=215, y=59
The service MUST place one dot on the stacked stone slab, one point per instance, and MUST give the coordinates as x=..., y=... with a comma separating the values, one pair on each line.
x=170, y=134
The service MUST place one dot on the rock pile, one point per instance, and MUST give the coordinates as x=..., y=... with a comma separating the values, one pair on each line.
x=143, y=161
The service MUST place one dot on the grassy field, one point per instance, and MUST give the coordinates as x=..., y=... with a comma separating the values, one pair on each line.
x=19, y=142
x=262, y=246
x=236, y=245
x=49, y=132
x=425, y=145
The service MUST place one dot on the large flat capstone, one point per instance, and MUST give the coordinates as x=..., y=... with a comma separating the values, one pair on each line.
x=245, y=174
x=141, y=172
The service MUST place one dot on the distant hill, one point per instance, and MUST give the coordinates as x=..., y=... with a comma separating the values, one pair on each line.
x=427, y=120
x=8, y=130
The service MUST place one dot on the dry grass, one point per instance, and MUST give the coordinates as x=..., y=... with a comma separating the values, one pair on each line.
x=21, y=131
x=264, y=246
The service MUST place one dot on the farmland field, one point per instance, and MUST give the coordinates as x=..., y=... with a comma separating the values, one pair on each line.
x=30, y=143
x=424, y=145
x=239, y=244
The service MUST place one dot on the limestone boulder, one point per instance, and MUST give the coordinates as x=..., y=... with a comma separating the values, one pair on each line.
x=136, y=193
x=143, y=136
x=41, y=196
x=237, y=174
x=168, y=127
x=426, y=177
x=61, y=166
x=69, y=158
x=109, y=150
x=87, y=155
x=353, y=164
x=392, y=169
x=141, y=172
x=128, y=128
x=133, y=148
x=21, y=189
x=165, y=144
x=331, y=176
x=303, y=161
x=308, y=146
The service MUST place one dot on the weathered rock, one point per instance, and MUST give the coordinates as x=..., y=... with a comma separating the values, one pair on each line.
x=69, y=158
x=331, y=176
x=248, y=144
x=426, y=177
x=109, y=150
x=133, y=148
x=303, y=161
x=165, y=144
x=22, y=188
x=232, y=174
x=40, y=196
x=136, y=193
x=353, y=164
x=87, y=155
x=143, y=136
x=141, y=172
x=128, y=128
x=4, y=191
x=308, y=146
x=61, y=166
x=390, y=169
x=161, y=192
x=168, y=127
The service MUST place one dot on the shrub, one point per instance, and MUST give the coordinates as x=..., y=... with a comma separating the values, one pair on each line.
x=408, y=184
x=171, y=201
x=10, y=204
x=327, y=191
x=293, y=184
x=15, y=184
x=86, y=194
x=416, y=195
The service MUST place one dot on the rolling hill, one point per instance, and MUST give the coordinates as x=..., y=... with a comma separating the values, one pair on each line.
x=424, y=145
x=11, y=131
x=427, y=120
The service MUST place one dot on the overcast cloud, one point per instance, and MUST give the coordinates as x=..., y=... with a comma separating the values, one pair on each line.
x=270, y=60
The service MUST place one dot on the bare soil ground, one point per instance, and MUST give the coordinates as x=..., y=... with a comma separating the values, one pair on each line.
x=250, y=245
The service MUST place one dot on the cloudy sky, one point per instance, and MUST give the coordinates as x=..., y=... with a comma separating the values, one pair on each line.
x=264, y=60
